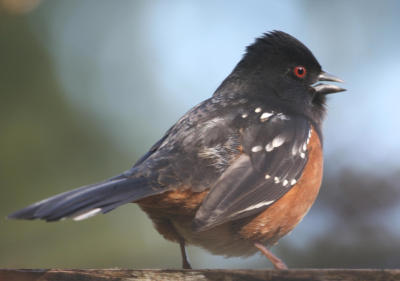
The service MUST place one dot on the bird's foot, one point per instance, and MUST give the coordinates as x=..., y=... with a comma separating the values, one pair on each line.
x=186, y=265
x=277, y=262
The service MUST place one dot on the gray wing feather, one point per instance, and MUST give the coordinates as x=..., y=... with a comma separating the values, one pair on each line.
x=259, y=176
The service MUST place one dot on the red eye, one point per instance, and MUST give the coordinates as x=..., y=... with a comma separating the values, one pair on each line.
x=300, y=71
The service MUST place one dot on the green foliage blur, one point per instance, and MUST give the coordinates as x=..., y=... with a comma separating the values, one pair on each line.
x=46, y=147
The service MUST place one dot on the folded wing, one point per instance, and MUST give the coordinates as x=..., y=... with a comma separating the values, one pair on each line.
x=274, y=156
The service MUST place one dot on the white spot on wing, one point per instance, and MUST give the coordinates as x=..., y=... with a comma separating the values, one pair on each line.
x=265, y=116
x=258, y=110
x=278, y=141
x=285, y=182
x=282, y=116
x=276, y=180
x=302, y=155
x=309, y=136
x=267, y=176
x=293, y=182
x=255, y=206
x=244, y=115
x=269, y=147
x=87, y=215
x=256, y=148
x=294, y=150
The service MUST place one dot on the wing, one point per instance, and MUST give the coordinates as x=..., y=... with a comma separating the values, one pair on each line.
x=274, y=156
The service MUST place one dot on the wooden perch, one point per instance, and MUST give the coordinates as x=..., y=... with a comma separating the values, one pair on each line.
x=194, y=275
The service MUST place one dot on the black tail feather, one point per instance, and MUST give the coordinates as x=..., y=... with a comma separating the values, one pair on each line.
x=88, y=200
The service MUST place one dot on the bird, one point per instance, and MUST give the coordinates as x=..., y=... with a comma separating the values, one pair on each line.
x=238, y=171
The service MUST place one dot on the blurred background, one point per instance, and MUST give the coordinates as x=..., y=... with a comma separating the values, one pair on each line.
x=87, y=87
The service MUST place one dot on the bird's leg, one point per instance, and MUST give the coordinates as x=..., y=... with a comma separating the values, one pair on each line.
x=277, y=262
x=185, y=262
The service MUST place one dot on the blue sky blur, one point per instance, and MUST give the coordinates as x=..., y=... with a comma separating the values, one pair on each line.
x=187, y=48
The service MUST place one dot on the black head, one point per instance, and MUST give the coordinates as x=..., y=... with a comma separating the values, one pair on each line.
x=278, y=66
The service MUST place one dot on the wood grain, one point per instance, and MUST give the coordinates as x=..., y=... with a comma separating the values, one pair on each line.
x=201, y=275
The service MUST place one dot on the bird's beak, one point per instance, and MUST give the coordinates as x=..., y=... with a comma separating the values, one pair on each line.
x=325, y=89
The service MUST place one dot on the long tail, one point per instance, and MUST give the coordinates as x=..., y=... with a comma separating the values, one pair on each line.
x=87, y=201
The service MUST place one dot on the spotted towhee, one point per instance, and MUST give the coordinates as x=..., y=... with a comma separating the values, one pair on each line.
x=238, y=171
